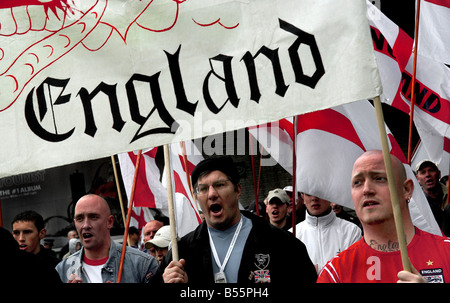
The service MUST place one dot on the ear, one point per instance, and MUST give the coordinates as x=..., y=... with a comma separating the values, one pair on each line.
x=239, y=190
x=110, y=222
x=408, y=189
x=42, y=233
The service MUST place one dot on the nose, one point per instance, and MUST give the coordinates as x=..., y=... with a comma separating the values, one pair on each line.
x=212, y=193
x=368, y=188
x=86, y=224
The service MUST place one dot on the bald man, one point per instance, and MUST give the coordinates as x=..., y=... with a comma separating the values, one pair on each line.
x=376, y=257
x=98, y=261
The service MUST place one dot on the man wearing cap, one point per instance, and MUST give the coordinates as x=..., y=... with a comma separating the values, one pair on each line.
x=230, y=246
x=160, y=242
x=324, y=234
x=277, y=203
x=428, y=174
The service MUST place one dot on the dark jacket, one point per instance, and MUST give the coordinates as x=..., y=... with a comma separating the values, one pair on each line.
x=269, y=249
x=46, y=255
x=19, y=267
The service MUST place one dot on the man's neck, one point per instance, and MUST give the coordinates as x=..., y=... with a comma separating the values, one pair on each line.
x=383, y=236
x=36, y=250
x=435, y=192
x=98, y=253
x=231, y=223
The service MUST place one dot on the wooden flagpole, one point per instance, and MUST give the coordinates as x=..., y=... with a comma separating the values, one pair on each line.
x=254, y=174
x=127, y=225
x=413, y=80
x=392, y=188
x=119, y=191
x=173, y=226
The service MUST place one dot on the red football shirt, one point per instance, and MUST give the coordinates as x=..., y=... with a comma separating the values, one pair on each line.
x=429, y=254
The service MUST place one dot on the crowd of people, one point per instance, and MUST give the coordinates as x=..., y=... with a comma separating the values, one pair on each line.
x=236, y=246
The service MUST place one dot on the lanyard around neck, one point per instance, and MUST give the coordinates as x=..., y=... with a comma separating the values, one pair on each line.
x=230, y=248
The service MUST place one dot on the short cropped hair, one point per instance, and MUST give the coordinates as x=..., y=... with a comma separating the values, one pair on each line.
x=30, y=216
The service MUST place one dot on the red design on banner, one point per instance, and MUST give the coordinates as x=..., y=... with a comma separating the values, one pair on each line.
x=74, y=25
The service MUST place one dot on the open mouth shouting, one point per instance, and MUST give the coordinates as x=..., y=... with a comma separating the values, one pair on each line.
x=216, y=210
x=86, y=236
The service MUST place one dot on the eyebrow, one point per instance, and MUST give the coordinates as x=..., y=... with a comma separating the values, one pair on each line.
x=87, y=214
x=22, y=230
x=219, y=180
x=371, y=172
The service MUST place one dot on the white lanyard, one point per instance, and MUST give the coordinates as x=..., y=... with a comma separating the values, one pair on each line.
x=230, y=249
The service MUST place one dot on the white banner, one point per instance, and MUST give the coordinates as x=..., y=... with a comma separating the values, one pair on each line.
x=87, y=79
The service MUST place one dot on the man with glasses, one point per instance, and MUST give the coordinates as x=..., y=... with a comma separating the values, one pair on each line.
x=231, y=246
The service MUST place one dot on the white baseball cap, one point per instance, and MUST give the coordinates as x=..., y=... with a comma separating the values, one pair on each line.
x=162, y=238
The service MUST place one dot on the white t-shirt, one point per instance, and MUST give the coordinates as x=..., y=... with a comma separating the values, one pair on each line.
x=93, y=269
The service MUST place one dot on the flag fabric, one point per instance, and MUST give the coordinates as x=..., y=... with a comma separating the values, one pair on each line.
x=434, y=30
x=81, y=80
x=393, y=51
x=329, y=142
x=276, y=137
x=441, y=159
x=149, y=192
x=151, y=187
x=186, y=208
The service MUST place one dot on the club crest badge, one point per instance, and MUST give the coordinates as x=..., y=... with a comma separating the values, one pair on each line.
x=262, y=260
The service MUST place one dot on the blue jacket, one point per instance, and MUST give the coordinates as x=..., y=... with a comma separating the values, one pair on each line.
x=138, y=267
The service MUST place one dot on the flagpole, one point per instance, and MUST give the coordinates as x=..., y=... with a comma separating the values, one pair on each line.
x=127, y=225
x=119, y=191
x=173, y=226
x=294, y=175
x=255, y=190
x=259, y=171
x=392, y=188
x=413, y=80
x=448, y=187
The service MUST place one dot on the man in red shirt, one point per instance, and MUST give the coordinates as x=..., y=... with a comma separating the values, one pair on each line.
x=376, y=257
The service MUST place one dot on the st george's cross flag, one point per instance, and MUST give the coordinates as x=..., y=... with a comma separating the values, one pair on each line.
x=329, y=142
x=151, y=188
x=186, y=208
x=393, y=51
